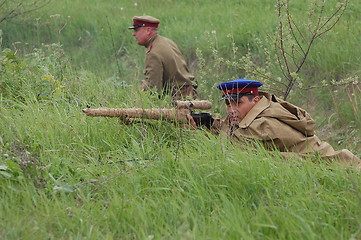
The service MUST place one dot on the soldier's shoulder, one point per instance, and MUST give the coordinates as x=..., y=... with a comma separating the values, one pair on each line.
x=161, y=45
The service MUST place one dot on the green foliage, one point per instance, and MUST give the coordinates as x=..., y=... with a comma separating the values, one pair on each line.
x=10, y=170
x=279, y=60
x=64, y=175
x=34, y=77
x=16, y=9
x=181, y=194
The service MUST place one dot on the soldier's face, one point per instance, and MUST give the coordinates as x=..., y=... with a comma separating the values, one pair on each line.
x=141, y=35
x=238, y=109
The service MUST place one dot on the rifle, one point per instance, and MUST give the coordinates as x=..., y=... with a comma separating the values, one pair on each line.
x=179, y=113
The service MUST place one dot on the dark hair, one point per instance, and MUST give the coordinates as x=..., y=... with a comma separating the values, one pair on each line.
x=251, y=96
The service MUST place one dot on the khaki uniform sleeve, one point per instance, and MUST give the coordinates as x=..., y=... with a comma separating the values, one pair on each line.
x=153, y=72
x=260, y=129
x=272, y=132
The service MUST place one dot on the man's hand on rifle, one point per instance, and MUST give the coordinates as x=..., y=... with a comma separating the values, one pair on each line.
x=216, y=126
x=126, y=121
x=191, y=123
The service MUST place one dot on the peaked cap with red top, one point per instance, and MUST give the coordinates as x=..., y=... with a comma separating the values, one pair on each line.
x=238, y=88
x=144, y=21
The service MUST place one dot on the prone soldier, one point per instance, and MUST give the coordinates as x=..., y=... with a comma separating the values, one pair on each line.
x=277, y=124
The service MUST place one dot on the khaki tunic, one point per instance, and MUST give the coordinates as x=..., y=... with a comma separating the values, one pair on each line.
x=287, y=128
x=166, y=69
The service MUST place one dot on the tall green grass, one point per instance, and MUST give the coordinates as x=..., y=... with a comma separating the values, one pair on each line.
x=67, y=176
x=95, y=33
x=122, y=185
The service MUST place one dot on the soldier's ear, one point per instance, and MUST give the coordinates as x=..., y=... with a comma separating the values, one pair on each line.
x=256, y=99
x=149, y=30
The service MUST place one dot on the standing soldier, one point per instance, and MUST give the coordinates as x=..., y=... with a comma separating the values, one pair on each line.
x=165, y=67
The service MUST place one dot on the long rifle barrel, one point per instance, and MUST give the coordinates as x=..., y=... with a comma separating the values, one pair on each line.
x=179, y=113
x=126, y=113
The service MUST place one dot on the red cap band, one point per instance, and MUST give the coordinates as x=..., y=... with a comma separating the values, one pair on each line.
x=145, y=24
x=252, y=90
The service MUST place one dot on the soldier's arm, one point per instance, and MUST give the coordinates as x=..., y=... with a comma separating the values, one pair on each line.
x=153, y=72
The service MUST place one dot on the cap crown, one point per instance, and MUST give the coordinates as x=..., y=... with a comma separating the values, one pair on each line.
x=238, y=88
x=144, y=21
x=147, y=19
x=239, y=84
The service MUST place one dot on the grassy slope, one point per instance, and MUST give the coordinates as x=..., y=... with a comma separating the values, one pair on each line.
x=70, y=176
x=89, y=30
x=91, y=179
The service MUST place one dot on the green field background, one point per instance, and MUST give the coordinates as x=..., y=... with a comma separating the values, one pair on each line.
x=67, y=176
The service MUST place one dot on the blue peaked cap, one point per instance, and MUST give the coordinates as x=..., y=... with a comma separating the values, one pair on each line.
x=238, y=88
x=239, y=83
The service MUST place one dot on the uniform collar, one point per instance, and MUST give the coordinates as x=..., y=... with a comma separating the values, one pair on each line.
x=255, y=111
x=149, y=43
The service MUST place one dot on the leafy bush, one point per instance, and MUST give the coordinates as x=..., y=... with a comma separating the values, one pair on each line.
x=36, y=76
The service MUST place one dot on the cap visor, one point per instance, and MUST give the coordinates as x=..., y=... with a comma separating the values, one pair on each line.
x=136, y=26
